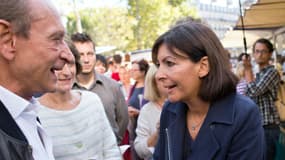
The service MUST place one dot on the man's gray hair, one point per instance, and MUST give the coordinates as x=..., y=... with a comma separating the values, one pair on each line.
x=17, y=13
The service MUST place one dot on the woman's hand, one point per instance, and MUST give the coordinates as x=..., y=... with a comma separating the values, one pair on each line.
x=133, y=112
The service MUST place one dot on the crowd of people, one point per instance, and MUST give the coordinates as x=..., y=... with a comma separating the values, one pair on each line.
x=59, y=100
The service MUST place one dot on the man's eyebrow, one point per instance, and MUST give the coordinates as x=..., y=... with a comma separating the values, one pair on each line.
x=60, y=34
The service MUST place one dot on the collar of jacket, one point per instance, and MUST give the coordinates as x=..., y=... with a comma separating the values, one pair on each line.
x=8, y=124
x=220, y=112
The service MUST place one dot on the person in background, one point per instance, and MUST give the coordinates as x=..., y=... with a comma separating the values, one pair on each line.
x=76, y=120
x=32, y=49
x=125, y=79
x=138, y=73
x=136, y=101
x=204, y=117
x=107, y=89
x=263, y=90
x=148, y=121
x=244, y=60
x=241, y=86
x=101, y=64
x=117, y=63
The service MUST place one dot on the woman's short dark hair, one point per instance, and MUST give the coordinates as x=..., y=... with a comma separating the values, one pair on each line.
x=196, y=41
x=143, y=65
x=242, y=55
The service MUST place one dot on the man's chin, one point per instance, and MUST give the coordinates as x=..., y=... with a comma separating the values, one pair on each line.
x=86, y=72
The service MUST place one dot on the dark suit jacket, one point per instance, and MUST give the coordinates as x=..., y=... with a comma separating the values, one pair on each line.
x=13, y=143
x=232, y=129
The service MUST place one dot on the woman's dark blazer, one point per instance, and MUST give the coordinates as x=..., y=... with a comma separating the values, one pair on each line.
x=231, y=130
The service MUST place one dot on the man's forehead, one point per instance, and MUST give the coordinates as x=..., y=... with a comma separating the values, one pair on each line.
x=40, y=9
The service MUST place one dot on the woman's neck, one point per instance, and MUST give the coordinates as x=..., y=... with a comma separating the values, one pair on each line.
x=160, y=103
x=61, y=100
x=198, y=107
x=140, y=83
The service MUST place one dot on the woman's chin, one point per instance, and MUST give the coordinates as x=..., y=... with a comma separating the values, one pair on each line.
x=173, y=99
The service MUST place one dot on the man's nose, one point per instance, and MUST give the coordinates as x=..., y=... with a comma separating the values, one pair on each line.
x=66, y=54
x=84, y=58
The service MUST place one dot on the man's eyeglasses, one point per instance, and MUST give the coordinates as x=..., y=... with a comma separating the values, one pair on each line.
x=261, y=51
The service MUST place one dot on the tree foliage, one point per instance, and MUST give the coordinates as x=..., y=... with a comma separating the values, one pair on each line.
x=154, y=17
x=131, y=28
x=106, y=26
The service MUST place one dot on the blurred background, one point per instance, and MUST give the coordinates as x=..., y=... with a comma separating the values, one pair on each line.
x=131, y=26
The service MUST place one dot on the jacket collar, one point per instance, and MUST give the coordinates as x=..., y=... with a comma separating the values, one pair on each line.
x=220, y=111
x=8, y=124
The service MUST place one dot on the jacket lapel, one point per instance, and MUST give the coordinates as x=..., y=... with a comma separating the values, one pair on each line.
x=178, y=126
x=206, y=142
x=219, y=113
x=8, y=124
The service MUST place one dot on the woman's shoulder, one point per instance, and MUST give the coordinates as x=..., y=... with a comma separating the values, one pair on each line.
x=89, y=98
x=244, y=102
x=149, y=107
x=87, y=95
x=243, y=106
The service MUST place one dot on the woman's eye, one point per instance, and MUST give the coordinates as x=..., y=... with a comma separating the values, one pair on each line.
x=169, y=63
x=157, y=64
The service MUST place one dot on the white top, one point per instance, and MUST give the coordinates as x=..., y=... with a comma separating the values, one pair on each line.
x=24, y=113
x=82, y=133
x=148, y=118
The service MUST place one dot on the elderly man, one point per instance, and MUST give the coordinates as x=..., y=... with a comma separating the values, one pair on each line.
x=31, y=50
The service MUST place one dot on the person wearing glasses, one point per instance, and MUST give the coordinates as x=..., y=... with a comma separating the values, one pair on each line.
x=263, y=90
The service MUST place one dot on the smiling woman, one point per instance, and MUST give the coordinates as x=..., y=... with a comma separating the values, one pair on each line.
x=204, y=118
x=67, y=114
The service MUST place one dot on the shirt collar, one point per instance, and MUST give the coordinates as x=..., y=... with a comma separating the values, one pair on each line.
x=16, y=104
x=97, y=79
x=266, y=68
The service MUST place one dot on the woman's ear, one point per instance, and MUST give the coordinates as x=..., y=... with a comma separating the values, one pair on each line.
x=7, y=40
x=204, y=67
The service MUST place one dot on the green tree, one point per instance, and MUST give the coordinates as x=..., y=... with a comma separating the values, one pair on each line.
x=154, y=17
x=134, y=27
x=106, y=26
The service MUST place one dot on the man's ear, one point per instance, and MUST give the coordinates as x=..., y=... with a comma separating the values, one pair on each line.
x=7, y=40
x=204, y=67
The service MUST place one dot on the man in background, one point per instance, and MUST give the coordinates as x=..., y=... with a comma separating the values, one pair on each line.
x=263, y=90
x=107, y=89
